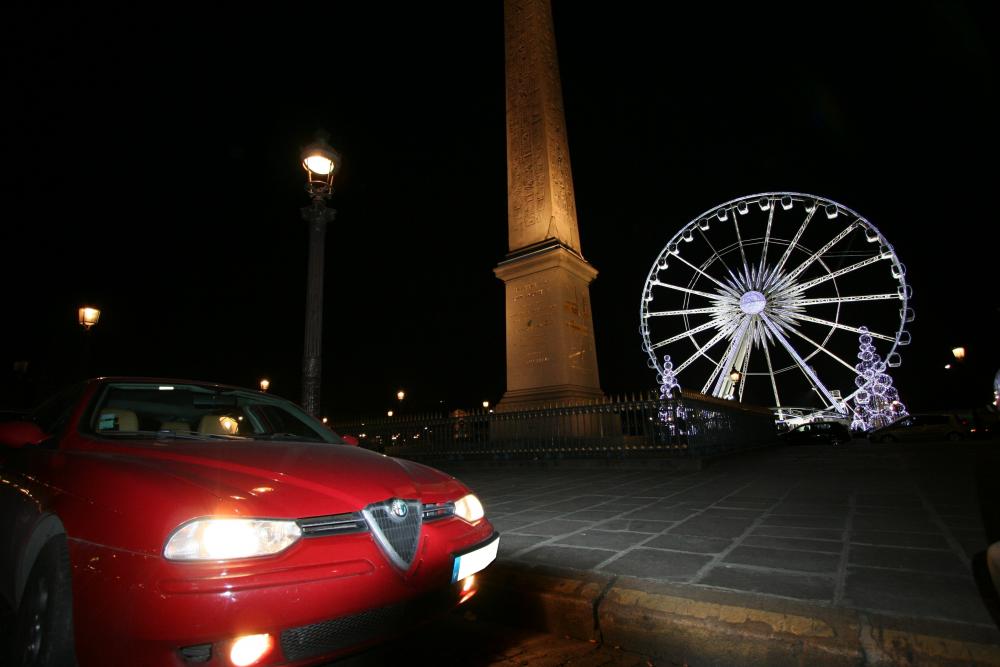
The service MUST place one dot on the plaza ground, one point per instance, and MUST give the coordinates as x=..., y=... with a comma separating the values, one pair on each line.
x=855, y=554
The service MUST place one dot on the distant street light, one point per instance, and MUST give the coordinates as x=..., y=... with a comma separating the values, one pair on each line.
x=388, y=413
x=401, y=394
x=486, y=404
x=959, y=353
x=264, y=384
x=321, y=163
x=735, y=376
x=88, y=316
x=947, y=367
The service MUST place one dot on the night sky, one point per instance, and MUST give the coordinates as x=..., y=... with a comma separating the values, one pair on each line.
x=151, y=168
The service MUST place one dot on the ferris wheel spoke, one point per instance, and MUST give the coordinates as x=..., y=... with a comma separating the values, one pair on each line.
x=701, y=350
x=774, y=383
x=716, y=252
x=722, y=370
x=727, y=288
x=793, y=274
x=793, y=243
x=838, y=325
x=800, y=362
x=820, y=347
x=801, y=287
x=767, y=236
x=707, y=295
x=746, y=365
x=842, y=299
x=739, y=241
x=715, y=310
x=701, y=327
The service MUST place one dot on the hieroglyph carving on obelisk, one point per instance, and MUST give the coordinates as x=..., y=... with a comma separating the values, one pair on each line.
x=550, y=338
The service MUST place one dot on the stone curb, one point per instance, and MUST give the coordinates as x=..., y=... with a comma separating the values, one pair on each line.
x=696, y=626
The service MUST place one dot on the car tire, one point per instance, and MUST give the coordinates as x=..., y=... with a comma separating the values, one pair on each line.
x=44, y=626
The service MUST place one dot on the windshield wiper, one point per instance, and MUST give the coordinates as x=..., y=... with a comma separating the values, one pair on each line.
x=167, y=435
x=286, y=436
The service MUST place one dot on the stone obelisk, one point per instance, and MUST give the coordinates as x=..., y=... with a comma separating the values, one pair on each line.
x=550, y=335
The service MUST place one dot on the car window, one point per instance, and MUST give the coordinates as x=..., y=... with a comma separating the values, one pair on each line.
x=52, y=415
x=188, y=411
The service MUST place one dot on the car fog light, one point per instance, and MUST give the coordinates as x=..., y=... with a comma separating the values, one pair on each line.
x=248, y=649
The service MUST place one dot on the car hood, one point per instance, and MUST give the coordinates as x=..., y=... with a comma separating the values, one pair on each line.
x=273, y=479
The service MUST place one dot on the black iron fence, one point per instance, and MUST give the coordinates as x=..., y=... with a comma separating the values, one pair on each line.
x=637, y=426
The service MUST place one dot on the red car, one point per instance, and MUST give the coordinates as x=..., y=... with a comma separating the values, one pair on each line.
x=162, y=522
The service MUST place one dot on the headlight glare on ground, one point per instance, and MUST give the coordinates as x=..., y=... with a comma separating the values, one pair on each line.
x=222, y=539
x=469, y=508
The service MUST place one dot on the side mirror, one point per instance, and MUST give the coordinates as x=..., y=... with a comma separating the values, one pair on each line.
x=20, y=434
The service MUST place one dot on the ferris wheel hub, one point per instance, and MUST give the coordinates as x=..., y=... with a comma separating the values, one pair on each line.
x=753, y=302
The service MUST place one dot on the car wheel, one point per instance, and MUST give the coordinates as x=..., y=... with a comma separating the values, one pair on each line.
x=954, y=437
x=44, y=634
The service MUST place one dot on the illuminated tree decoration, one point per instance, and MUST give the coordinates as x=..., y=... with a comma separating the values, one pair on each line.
x=669, y=388
x=876, y=403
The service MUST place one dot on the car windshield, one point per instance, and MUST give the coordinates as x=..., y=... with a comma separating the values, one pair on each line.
x=189, y=411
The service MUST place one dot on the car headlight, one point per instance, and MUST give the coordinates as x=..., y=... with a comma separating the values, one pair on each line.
x=469, y=508
x=222, y=539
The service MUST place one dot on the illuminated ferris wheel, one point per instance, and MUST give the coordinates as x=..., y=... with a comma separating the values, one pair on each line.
x=762, y=299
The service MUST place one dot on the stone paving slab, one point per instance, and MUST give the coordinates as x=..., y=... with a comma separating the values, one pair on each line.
x=864, y=528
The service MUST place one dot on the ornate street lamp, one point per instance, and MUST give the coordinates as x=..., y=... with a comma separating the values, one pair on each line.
x=264, y=384
x=88, y=317
x=400, y=394
x=321, y=163
x=959, y=353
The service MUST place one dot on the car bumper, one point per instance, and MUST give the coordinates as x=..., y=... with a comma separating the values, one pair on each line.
x=324, y=597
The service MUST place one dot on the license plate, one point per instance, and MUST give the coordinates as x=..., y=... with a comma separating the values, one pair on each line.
x=474, y=561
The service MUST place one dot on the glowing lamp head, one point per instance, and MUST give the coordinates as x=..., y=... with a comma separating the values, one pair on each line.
x=959, y=353
x=88, y=316
x=735, y=376
x=264, y=384
x=229, y=425
x=388, y=413
x=486, y=404
x=321, y=163
x=400, y=394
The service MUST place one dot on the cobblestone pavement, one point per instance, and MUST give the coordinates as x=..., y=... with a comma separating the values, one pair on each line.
x=465, y=639
x=892, y=529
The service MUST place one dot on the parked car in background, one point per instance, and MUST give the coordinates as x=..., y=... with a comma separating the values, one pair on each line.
x=816, y=433
x=163, y=522
x=916, y=427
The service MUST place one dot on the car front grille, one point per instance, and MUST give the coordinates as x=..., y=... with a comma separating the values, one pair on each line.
x=333, y=524
x=434, y=511
x=395, y=524
x=309, y=641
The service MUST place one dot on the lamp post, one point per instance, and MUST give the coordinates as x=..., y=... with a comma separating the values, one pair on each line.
x=87, y=316
x=321, y=162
